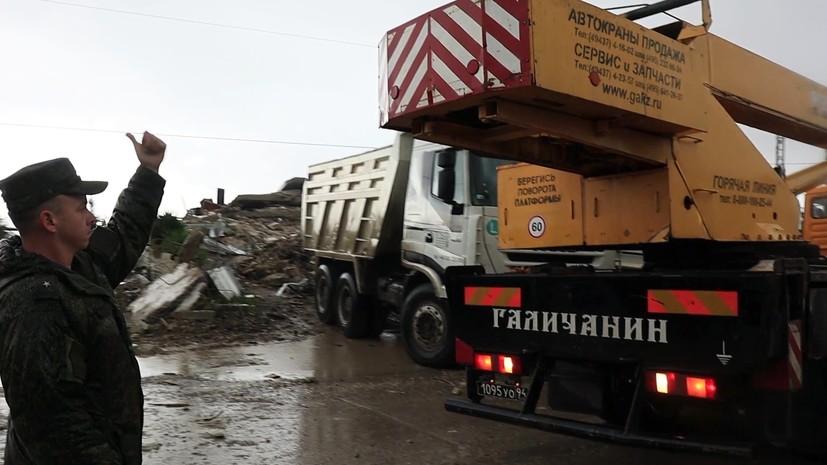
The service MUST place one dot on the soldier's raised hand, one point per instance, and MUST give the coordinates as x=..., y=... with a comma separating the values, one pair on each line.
x=150, y=150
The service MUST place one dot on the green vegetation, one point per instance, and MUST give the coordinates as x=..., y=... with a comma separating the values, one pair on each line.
x=168, y=233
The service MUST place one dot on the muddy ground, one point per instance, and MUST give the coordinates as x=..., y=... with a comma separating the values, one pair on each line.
x=217, y=393
x=258, y=318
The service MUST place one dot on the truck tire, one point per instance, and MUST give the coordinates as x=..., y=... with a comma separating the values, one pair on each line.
x=350, y=308
x=325, y=308
x=426, y=328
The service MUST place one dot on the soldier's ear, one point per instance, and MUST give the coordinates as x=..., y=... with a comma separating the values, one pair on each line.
x=46, y=218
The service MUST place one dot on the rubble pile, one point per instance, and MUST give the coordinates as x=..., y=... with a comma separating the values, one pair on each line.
x=241, y=276
x=273, y=245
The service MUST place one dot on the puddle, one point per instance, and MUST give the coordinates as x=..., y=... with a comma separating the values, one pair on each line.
x=248, y=363
x=324, y=357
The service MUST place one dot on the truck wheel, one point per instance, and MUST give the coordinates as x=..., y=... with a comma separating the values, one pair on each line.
x=426, y=328
x=324, y=295
x=350, y=308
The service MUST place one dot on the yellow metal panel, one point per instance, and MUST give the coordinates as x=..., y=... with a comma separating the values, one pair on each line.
x=737, y=193
x=539, y=207
x=626, y=209
x=686, y=220
x=583, y=51
x=765, y=95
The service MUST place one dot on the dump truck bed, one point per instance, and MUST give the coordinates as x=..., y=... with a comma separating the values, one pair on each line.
x=353, y=206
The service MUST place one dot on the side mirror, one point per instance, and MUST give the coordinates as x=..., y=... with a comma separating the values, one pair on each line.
x=446, y=181
x=446, y=158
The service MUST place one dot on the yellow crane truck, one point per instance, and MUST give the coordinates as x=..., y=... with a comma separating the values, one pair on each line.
x=718, y=342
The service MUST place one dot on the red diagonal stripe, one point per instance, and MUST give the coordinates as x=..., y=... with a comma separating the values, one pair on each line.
x=501, y=34
x=469, y=295
x=419, y=90
x=455, y=65
x=491, y=296
x=407, y=51
x=401, y=29
x=494, y=67
x=516, y=299
x=471, y=9
x=517, y=9
x=408, y=79
x=443, y=87
x=730, y=299
x=458, y=33
x=692, y=304
x=653, y=305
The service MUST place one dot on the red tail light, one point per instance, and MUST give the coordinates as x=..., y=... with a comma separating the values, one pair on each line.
x=483, y=362
x=705, y=388
x=505, y=364
x=677, y=384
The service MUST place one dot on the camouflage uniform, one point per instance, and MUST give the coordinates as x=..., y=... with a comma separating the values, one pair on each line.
x=66, y=360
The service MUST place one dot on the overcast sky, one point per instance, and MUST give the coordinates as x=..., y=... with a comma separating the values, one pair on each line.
x=76, y=75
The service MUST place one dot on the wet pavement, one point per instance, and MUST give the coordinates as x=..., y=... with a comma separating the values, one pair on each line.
x=330, y=400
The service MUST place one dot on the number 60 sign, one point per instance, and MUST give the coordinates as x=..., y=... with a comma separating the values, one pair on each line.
x=536, y=226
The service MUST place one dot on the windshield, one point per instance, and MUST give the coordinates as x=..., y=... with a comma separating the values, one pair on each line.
x=484, y=179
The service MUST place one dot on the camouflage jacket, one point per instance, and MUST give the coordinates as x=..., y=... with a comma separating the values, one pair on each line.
x=67, y=365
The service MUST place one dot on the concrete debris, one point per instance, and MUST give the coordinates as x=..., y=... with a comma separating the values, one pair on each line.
x=190, y=300
x=224, y=281
x=165, y=292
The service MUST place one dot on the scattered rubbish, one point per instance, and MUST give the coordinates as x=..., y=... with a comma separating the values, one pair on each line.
x=301, y=285
x=225, y=249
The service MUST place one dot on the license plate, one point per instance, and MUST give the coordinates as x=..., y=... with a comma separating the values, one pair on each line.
x=502, y=391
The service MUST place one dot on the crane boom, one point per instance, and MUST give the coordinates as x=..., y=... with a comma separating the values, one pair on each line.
x=764, y=95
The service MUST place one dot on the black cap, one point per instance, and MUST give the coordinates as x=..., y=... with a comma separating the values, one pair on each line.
x=35, y=184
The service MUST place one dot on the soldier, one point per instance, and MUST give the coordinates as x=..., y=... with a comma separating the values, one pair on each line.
x=69, y=372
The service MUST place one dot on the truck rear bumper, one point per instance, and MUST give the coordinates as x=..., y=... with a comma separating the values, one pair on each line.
x=589, y=430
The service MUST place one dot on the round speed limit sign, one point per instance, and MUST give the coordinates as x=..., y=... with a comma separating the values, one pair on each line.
x=536, y=226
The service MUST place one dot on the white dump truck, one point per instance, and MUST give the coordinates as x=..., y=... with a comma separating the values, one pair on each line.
x=385, y=225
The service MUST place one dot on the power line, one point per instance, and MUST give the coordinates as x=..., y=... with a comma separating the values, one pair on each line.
x=188, y=136
x=206, y=23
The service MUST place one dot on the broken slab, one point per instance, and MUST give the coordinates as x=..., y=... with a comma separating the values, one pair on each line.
x=167, y=291
x=225, y=282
